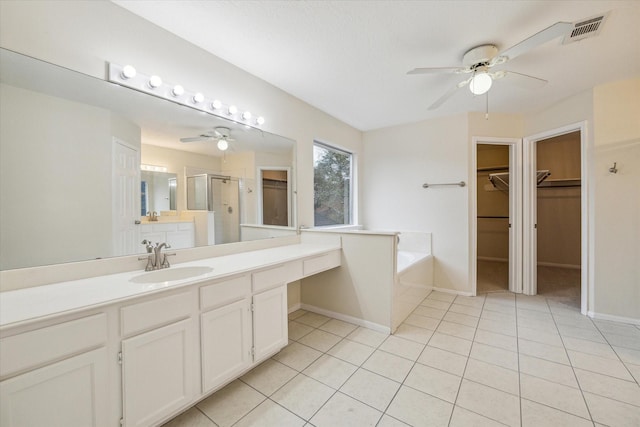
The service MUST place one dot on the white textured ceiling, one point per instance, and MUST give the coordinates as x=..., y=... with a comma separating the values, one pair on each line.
x=350, y=58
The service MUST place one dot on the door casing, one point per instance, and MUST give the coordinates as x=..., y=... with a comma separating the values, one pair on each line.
x=529, y=285
x=515, y=210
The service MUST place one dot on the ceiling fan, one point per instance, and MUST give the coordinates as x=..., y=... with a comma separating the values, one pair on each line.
x=479, y=61
x=220, y=134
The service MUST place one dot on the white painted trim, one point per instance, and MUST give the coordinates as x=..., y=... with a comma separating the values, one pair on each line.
x=612, y=318
x=454, y=292
x=515, y=211
x=294, y=307
x=350, y=319
x=587, y=278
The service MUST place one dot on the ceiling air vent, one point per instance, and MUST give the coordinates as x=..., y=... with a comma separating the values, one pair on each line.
x=586, y=28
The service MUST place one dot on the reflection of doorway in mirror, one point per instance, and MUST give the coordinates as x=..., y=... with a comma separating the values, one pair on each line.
x=144, y=205
x=173, y=184
x=125, y=176
x=275, y=197
x=226, y=205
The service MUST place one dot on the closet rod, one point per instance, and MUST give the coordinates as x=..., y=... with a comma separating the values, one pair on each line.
x=459, y=184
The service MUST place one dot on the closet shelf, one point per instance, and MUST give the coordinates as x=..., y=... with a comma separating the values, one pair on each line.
x=501, y=180
x=556, y=183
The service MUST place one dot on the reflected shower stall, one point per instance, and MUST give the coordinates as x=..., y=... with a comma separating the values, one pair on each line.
x=220, y=195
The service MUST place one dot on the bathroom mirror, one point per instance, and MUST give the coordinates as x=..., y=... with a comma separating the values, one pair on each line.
x=158, y=191
x=70, y=156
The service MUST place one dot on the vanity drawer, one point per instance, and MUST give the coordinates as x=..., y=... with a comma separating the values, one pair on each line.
x=320, y=263
x=270, y=278
x=225, y=292
x=42, y=346
x=157, y=312
x=185, y=226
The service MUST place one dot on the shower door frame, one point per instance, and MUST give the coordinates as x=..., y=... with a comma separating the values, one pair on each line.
x=515, y=210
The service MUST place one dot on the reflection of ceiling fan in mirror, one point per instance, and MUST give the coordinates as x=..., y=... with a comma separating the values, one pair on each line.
x=220, y=134
x=478, y=62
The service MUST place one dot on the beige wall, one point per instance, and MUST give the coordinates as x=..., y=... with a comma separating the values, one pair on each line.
x=616, y=111
x=362, y=287
x=397, y=161
x=617, y=198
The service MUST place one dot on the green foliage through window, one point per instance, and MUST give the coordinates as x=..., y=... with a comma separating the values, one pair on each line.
x=331, y=185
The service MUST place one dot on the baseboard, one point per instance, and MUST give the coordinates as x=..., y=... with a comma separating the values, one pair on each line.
x=611, y=317
x=294, y=307
x=453, y=291
x=345, y=318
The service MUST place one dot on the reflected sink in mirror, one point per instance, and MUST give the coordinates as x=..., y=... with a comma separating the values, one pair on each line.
x=170, y=274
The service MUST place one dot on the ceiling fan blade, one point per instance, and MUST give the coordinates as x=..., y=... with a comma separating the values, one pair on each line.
x=196, y=138
x=524, y=80
x=556, y=30
x=448, y=94
x=436, y=70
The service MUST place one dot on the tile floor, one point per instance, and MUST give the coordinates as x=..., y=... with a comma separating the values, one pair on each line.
x=496, y=359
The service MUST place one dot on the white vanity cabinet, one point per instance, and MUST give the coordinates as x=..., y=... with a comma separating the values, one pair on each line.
x=159, y=358
x=270, y=326
x=56, y=375
x=179, y=235
x=225, y=330
x=138, y=359
x=242, y=323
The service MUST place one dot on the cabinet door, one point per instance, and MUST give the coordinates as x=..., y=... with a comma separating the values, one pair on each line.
x=269, y=322
x=69, y=393
x=158, y=373
x=226, y=343
x=180, y=239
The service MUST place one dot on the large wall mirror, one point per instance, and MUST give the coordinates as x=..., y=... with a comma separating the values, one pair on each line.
x=71, y=182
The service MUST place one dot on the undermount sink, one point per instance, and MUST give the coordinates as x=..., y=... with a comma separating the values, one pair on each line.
x=169, y=274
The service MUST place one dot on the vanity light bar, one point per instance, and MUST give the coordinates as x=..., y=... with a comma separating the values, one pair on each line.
x=128, y=76
x=152, y=168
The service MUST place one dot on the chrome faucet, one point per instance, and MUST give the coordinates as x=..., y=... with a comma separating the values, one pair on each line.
x=161, y=259
x=155, y=258
x=153, y=216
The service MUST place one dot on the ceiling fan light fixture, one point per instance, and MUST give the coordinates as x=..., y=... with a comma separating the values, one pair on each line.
x=223, y=144
x=480, y=83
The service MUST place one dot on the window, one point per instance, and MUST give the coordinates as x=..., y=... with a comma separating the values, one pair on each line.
x=332, y=185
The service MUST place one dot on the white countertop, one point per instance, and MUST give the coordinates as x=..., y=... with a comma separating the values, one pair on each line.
x=30, y=304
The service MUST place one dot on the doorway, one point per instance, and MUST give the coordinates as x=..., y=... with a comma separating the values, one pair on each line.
x=497, y=210
x=556, y=207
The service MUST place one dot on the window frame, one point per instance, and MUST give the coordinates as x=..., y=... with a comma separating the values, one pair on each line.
x=351, y=178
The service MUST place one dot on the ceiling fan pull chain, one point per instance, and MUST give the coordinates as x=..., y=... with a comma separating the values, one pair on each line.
x=486, y=111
